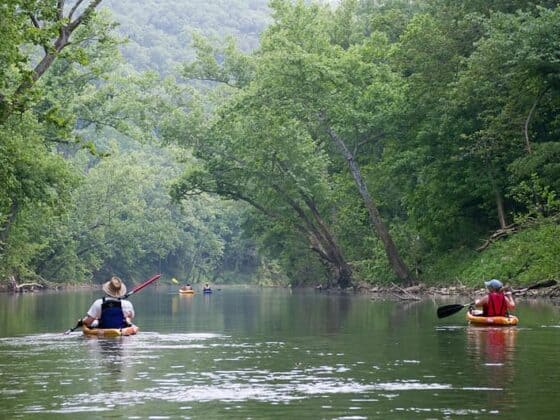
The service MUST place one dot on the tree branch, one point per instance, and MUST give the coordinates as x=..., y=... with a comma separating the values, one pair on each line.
x=73, y=8
x=60, y=9
x=526, y=127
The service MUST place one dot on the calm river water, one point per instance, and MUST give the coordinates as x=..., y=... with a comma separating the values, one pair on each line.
x=271, y=353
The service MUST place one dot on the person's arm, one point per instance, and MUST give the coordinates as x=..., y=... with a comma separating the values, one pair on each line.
x=93, y=313
x=128, y=310
x=87, y=320
x=509, y=300
x=481, y=302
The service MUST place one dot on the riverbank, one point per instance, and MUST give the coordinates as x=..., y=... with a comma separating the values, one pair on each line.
x=421, y=291
x=33, y=287
x=417, y=292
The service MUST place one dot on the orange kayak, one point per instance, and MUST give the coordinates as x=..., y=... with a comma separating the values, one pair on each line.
x=492, y=320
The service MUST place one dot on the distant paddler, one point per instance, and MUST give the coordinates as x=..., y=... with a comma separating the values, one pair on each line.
x=186, y=289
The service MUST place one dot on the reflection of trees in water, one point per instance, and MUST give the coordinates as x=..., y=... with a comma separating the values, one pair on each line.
x=269, y=311
x=404, y=313
x=336, y=311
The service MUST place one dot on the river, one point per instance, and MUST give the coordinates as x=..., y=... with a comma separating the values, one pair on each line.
x=243, y=353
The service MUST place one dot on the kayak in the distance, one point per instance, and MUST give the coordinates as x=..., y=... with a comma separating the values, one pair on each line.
x=110, y=332
x=186, y=291
x=476, y=318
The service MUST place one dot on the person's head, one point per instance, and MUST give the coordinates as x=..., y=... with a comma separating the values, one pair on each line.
x=114, y=287
x=493, y=285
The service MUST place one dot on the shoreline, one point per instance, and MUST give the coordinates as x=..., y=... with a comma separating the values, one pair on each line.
x=422, y=291
x=412, y=293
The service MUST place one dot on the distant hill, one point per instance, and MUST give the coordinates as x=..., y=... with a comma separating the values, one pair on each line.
x=160, y=31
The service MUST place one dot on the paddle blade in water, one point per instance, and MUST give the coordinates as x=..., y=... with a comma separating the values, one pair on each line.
x=448, y=310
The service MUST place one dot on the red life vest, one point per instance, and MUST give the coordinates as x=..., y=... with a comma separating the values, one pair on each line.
x=497, y=305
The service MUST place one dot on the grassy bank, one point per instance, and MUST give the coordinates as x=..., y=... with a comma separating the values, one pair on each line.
x=528, y=256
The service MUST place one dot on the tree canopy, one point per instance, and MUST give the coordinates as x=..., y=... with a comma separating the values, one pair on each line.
x=282, y=141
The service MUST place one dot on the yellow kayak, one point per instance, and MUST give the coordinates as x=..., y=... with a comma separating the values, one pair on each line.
x=110, y=332
x=186, y=292
x=477, y=319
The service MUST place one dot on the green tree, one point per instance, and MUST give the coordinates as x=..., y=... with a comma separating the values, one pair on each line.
x=306, y=91
x=43, y=25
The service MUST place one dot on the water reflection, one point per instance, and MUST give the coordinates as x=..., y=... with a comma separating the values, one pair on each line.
x=113, y=357
x=402, y=314
x=492, y=345
x=179, y=302
x=493, y=350
x=268, y=354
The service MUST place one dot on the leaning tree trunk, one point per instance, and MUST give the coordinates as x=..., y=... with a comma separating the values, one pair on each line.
x=342, y=271
x=395, y=260
x=500, y=208
x=321, y=240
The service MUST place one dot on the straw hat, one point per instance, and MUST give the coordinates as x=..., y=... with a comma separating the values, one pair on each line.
x=114, y=287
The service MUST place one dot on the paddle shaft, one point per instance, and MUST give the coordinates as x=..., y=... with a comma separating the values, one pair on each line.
x=134, y=290
x=141, y=286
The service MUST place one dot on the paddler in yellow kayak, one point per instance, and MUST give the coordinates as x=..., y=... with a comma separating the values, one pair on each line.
x=498, y=301
x=110, y=311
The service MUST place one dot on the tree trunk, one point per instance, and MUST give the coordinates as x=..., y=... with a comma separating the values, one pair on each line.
x=312, y=228
x=528, y=120
x=342, y=271
x=500, y=208
x=395, y=260
x=6, y=226
x=325, y=243
x=321, y=239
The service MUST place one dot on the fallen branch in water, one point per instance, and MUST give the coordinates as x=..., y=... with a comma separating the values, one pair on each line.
x=27, y=287
x=405, y=294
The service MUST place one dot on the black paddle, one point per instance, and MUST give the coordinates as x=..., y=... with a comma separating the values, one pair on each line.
x=134, y=290
x=447, y=310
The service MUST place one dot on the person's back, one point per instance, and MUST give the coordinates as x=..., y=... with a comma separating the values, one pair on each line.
x=496, y=305
x=110, y=311
x=496, y=302
x=112, y=315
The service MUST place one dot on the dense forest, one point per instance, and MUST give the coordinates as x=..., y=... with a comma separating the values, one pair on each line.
x=281, y=142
